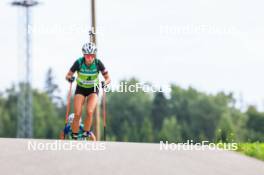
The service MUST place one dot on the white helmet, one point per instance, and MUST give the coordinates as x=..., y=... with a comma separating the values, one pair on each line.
x=89, y=48
x=71, y=117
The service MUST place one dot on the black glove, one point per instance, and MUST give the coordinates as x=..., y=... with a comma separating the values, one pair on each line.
x=103, y=84
x=71, y=79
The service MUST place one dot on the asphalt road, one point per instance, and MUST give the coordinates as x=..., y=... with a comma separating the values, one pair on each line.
x=51, y=157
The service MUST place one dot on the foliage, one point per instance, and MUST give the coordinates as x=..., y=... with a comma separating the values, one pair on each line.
x=252, y=149
x=184, y=114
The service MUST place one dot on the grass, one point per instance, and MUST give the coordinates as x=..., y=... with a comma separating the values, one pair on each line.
x=252, y=149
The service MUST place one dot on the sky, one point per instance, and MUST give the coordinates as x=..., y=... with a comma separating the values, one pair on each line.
x=210, y=45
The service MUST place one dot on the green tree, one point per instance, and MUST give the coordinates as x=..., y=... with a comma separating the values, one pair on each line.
x=126, y=113
x=146, y=131
x=255, y=124
x=4, y=118
x=198, y=113
x=160, y=110
x=225, y=129
x=10, y=111
x=47, y=121
x=171, y=130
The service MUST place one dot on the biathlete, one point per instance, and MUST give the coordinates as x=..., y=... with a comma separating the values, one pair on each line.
x=88, y=68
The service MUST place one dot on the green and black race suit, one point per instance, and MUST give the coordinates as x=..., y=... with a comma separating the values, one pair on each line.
x=88, y=76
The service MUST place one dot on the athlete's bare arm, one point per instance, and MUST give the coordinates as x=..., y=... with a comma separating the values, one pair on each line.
x=69, y=75
x=107, y=78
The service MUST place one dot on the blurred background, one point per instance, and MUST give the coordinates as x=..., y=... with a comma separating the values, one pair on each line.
x=209, y=52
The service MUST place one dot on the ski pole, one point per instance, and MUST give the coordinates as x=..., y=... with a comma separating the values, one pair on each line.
x=104, y=112
x=68, y=107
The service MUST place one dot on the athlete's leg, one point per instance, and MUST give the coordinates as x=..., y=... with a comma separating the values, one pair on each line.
x=91, y=104
x=78, y=103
